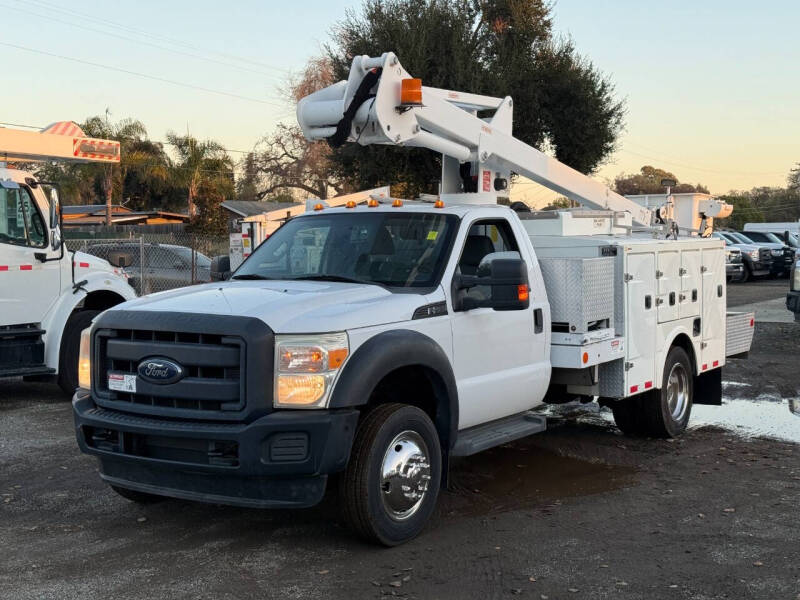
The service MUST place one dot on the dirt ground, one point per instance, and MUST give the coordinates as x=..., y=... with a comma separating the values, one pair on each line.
x=579, y=511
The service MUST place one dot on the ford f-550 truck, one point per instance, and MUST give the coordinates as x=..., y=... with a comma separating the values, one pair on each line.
x=375, y=341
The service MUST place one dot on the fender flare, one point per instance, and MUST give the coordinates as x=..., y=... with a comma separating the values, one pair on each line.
x=56, y=321
x=391, y=350
x=694, y=355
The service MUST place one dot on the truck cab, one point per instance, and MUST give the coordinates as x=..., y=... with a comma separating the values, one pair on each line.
x=49, y=294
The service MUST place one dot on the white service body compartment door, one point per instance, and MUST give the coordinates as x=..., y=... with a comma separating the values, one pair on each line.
x=689, y=298
x=669, y=284
x=714, y=308
x=640, y=321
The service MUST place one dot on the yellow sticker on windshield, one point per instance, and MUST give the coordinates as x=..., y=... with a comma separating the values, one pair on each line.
x=432, y=235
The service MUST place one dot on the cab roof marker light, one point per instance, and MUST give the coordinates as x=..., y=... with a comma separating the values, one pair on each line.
x=372, y=203
x=319, y=206
x=438, y=204
x=397, y=203
x=350, y=204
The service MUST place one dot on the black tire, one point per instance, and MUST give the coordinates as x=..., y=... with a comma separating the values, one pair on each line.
x=665, y=412
x=138, y=497
x=70, y=349
x=364, y=495
x=747, y=274
x=628, y=416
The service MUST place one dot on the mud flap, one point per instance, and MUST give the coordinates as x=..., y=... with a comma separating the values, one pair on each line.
x=708, y=388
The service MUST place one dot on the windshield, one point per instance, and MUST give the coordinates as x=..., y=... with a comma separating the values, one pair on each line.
x=201, y=260
x=765, y=236
x=403, y=249
x=738, y=237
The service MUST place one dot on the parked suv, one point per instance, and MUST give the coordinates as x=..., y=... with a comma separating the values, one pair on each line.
x=165, y=266
x=757, y=260
x=790, y=245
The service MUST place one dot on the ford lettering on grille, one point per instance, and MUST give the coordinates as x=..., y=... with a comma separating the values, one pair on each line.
x=161, y=371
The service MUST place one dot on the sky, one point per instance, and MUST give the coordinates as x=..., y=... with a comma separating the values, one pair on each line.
x=711, y=86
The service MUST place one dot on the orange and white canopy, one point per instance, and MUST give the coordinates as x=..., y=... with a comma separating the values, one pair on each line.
x=60, y=141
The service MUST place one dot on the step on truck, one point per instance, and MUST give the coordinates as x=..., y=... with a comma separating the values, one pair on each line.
x=370, y=344
x=48, y=295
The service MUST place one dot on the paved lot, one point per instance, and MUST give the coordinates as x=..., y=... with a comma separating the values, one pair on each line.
x=577, y=512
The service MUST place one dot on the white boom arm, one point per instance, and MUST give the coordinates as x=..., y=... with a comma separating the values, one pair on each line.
x=369, y=108
x=63, y=141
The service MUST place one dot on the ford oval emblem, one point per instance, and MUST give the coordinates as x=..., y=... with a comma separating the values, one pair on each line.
x=161, y=371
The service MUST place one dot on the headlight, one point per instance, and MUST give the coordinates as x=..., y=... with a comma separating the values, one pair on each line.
x=777, y=252
x=754, y=254
x=85, y=360
x=305, y=368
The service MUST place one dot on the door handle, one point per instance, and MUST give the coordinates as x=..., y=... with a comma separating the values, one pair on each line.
x=538, y=321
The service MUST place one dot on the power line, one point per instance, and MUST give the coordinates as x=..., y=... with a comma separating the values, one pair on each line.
x=118, y=36
x=143, y=75
x=141, y=32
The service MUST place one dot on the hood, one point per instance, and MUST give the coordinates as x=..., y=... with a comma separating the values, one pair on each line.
x=84, y=262
x=290, y=306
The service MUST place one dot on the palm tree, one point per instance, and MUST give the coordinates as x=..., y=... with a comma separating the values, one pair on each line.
x=134, y=153
x=198, y=161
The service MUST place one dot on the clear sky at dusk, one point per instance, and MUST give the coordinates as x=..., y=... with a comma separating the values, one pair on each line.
x=712, y=86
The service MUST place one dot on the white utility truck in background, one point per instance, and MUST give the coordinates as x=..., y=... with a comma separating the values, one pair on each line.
x=48, y=295
x=375, y=342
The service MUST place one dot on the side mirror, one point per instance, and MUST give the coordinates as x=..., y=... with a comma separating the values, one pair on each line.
x=504, y=279
x=786, y=237
x=120, y=259
x=220, y=268
x=55, y=220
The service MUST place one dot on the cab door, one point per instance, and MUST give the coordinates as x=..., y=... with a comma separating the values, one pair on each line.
x=28, y=287
x=498, y=356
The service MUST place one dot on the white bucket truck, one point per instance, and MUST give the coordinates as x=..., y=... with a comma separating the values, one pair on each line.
x=375, y=342
x=48, y=295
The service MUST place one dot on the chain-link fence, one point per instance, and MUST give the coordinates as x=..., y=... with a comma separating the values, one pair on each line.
x=157, y=262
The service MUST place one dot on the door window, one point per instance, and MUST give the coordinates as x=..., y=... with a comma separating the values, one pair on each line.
x=21, y=223
x=484, y=238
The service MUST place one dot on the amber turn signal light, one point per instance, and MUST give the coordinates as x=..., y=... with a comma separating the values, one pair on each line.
x=411, y=92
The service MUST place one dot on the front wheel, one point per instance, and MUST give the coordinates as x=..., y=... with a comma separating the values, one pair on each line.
x=70, y=349
x=389, y=488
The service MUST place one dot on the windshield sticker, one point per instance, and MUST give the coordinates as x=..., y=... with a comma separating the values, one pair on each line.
x=432, y=235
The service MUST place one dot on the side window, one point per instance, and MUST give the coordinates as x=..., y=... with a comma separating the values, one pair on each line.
x=21, y=223
x=485, y=237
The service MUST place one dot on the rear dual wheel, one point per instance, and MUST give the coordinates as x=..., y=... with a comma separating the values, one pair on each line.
x=661, y=412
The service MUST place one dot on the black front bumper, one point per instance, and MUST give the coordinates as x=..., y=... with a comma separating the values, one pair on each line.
x=734, y=270
x=793, y=303
x=280, y=460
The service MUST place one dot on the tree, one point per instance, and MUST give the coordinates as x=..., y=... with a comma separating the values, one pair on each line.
x=247, y=184
x=648, y=181
x=129, y=133
x=494, y=47
x=285, y=160
x=794, y=178
x=198, y=161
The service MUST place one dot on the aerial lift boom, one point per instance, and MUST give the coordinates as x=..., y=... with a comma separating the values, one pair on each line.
x=381, y=103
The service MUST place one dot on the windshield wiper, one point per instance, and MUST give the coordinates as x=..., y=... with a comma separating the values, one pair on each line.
x=251, y=276
x=339, y=278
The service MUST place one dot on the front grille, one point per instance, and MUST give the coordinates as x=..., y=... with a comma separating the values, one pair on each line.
x=213, y=365
x=765, y=255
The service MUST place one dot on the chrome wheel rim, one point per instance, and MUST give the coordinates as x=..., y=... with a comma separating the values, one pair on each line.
x=405, y=475
x=678, y=391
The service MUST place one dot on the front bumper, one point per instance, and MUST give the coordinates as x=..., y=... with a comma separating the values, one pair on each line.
x=280, y=460
x=793, y=303
x=734, y=270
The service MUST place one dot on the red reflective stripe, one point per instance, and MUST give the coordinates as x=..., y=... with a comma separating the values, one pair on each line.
x=84, y=265
x=244, y=235
x=648, y=385
x=705, y=367
x=752, y=322
x=3, y=268
x=26, y=267
x=634, y=389
x=716, y=363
